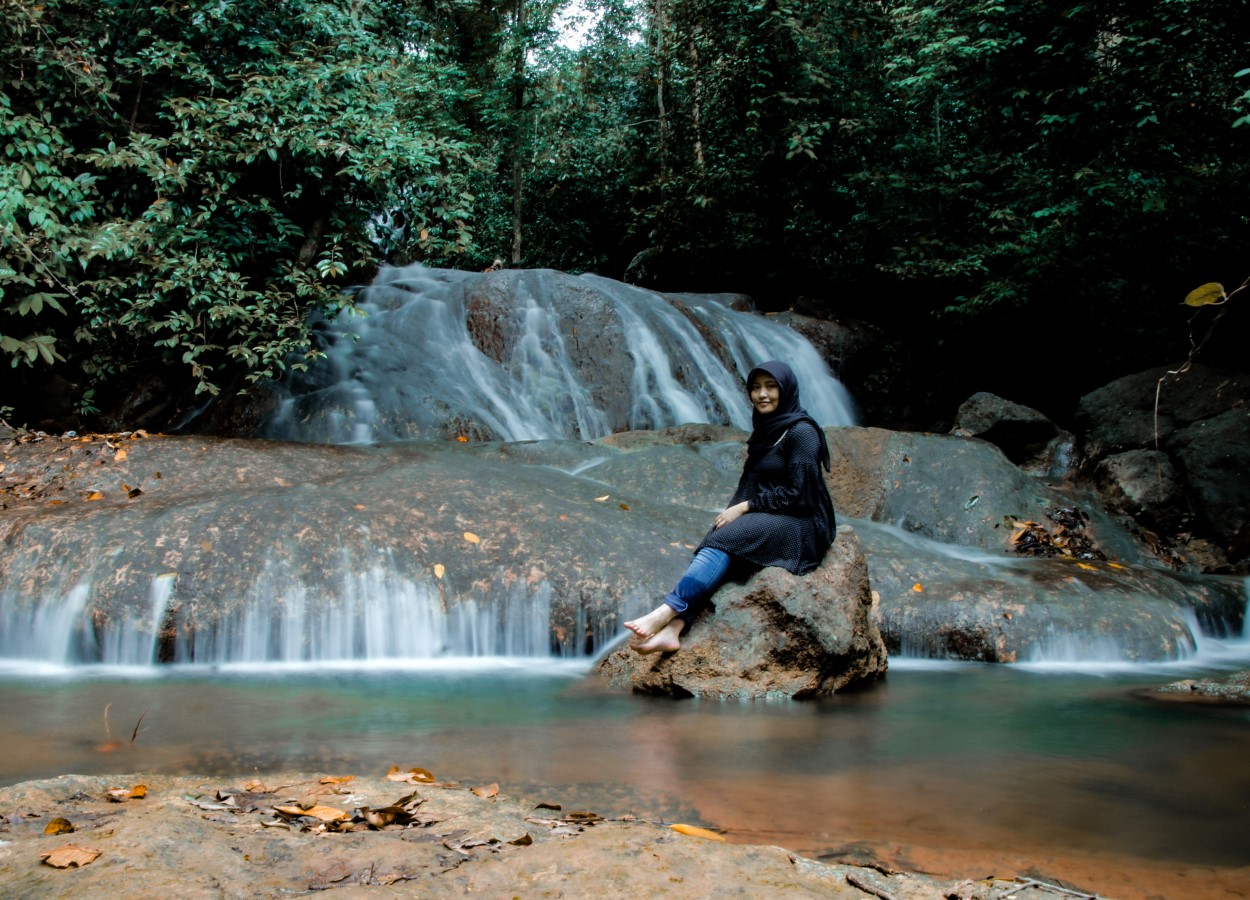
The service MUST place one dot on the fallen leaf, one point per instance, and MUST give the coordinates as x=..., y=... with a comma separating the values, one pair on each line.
x=59, y=826
x=555, y=806
x=1211, y=292
x=462, y=439
x=322, y=813
x=69, y=855
x=121, y=795
x=523, y=841
x=601, y=499
x=1087, y=566
x=338, y=779
x=487, y=791
x=119, y=455
x=439, y=570
x=694, y=831
x=281, y=482
x=95, y=495
x=360, y=506
x=472, y=538
x=918, y=588
x=624, y=506
x=415, y=775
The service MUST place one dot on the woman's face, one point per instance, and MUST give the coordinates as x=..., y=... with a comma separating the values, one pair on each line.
x=764, y=392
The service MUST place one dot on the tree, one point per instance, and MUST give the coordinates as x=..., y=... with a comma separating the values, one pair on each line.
x=185, y=182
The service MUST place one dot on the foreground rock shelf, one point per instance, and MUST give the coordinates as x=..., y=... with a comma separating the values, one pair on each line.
x=195, y=837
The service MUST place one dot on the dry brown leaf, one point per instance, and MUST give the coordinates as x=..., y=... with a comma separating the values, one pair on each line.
x=119, y=455
x=487, y=790
x=59, y=826
x=69, y=856
x=338, y=779
x=439, y=570
x=624, y=506
x=695, y=831
x=95, y=495
x=323, y=813
x=121, y=795
x=415, y=775
x=472, y=538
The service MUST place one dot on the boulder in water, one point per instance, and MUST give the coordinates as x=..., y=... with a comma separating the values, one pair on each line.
x=775, y=635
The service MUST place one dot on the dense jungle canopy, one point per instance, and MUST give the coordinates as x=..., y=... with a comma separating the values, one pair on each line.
x=1018, y=193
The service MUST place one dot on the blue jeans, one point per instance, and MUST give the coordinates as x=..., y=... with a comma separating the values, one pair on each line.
x=706, y=573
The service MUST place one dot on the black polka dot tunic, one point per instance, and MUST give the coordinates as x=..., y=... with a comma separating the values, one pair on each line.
x=790, y=522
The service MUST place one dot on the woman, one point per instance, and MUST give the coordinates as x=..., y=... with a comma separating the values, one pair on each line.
x=781, y=514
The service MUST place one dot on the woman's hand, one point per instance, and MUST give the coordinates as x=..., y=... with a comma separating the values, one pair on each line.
x=729, y=513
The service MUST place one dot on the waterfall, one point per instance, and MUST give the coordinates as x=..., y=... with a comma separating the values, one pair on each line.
x=436, y=354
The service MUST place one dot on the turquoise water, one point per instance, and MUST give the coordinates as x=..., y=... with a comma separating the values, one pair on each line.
x=938, y=753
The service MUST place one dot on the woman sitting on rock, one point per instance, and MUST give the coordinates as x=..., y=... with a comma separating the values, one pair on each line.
x=780, y=515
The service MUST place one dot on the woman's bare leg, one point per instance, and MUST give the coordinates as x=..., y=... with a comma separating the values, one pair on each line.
x=666, y=640
x=648, y=626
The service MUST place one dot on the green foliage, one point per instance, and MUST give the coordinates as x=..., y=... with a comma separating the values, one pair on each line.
x=188, y=181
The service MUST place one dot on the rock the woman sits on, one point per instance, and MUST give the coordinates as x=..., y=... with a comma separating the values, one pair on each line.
x=780, y=515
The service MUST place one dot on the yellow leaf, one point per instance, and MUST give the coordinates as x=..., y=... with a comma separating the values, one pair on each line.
x=1087, y=566
x=695, y=831
x=95, y=495
x=439, y=570
x=67, y=856
x=1212, y=292
x=462, y=439
x=59, y=826
x=917, y=588
x=472, y=538
x=338, y=779
x=138, y=792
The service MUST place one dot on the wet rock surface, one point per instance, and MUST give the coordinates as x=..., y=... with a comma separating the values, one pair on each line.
x=191, y=837
x=774, y=635
x=588, y=533
x=1232, y=690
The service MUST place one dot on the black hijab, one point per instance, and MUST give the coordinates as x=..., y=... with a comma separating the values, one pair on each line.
x=768, y=429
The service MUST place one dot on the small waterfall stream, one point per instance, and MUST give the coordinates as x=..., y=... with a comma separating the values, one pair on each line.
x=437, y=354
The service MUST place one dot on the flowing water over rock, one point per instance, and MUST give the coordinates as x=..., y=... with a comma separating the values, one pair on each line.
x=524, y=355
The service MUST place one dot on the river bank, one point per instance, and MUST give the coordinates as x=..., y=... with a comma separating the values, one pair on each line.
x=295, y=833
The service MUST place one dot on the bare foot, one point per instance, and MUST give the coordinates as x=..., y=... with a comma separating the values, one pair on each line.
x=648, y=626
x=666, y=640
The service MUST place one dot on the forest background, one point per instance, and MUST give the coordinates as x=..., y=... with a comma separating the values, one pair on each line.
x=1017, y=195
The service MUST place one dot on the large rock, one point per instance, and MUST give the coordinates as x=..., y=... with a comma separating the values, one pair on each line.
x=1199, y=418
x=776, y=635
x=954, y=489
x=1026, y=437
x=1214, y=454
x=947, y=602
x=1143, y=485
x=1123, y=415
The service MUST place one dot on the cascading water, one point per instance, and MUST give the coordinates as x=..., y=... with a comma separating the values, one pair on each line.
x=437, y=354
